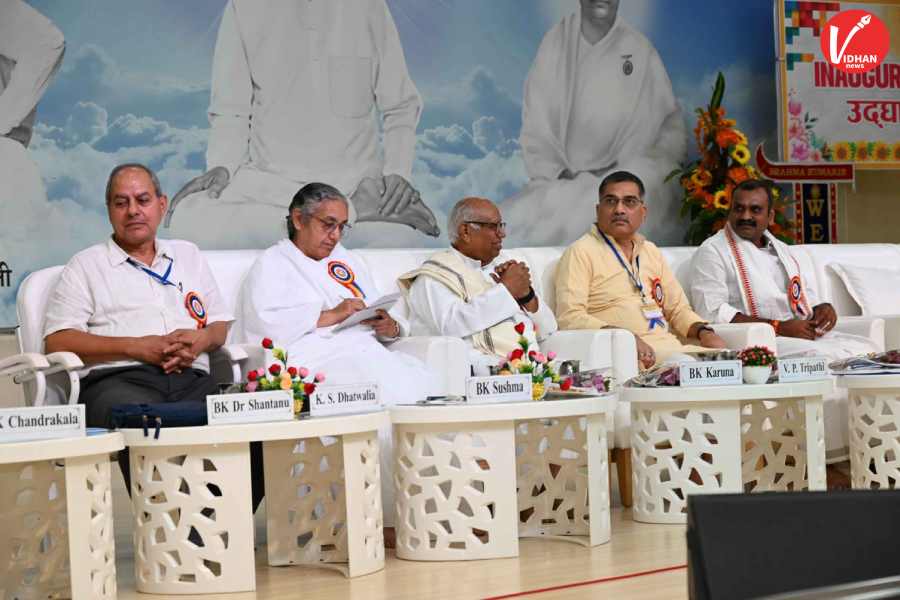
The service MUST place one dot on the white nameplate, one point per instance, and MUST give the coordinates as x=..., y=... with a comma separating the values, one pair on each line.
x=714, y=372
x=803, y=368
x=342, y=399
x=41, y=422
x=498, y=388
x=253, y=407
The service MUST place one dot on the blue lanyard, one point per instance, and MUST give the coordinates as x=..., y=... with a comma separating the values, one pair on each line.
x=163, y=279
x=635, y=279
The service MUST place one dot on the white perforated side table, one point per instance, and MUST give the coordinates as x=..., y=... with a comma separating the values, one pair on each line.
x=718, y=439
x=56, y=522
x=874, y=406
x=323, y=501
x=470, y=480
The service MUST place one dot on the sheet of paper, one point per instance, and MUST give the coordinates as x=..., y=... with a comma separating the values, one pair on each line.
x=384, y=303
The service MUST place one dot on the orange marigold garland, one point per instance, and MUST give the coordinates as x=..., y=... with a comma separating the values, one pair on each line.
x=723, y=163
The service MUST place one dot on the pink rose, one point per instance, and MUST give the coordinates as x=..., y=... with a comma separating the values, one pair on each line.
x=796, y=130
x=303, y=372
x=795, y=107
x=320, y=377
x=551, y=355
x=540, y=358
x=251, y=386
x=800, y=152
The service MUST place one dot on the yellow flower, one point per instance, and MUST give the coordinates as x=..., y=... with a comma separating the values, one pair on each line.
x=298, y=406
x=882, y=151
x=895, y=152
x=514, y=363
x=720, y=200
x=537, y=391
x=286, y=383
x=701, y=178
x=741, y=154
x=841, y=152
x=742, y=139
x=862, y=151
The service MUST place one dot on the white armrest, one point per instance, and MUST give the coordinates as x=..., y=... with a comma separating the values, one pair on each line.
x=738, y=336
x=891, y=330
x=598, y=349
x=868, y=327
x=448, y=357
x=25, y=367
x=230, y=362
x=70, y=363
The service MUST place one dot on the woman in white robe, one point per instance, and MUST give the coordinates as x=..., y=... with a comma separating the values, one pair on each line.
x=299, y=290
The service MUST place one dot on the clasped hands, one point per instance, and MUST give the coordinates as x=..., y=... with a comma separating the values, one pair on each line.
x=515, y=276
x=823, y=320
x=173, y=352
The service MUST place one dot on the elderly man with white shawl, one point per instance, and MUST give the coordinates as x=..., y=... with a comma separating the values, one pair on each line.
x=743, y=274
x=302, y=287
x=474, y=292
x=597, y=100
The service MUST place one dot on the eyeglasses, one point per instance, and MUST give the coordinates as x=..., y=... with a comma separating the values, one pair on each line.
x=332, y=226
x=611, y=202
x=495, y=227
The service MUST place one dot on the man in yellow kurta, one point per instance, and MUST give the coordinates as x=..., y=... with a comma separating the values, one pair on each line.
x=613, y=277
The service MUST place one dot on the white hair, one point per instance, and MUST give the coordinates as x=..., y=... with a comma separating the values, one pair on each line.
x=461, y=212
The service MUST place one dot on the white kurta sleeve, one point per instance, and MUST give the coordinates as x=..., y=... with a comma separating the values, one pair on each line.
x=544, y=320
x=444, y=313
x=278, y=304
x=36, y=45
x=709, y=286
x=216, y=309
x=231, y=98
x=396, y=96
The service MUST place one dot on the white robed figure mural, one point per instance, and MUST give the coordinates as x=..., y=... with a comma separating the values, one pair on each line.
x=301, y=288
x=304, y=91
x=597, y=99
x=733, y=275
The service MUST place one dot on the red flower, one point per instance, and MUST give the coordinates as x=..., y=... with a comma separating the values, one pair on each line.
x=565, y=384
x=517, y=353
x=520, y=328
x=292, y=371
x=251, y=376
x=275, y=369
x=309, y=388
x=531, y=353
x=267, y=343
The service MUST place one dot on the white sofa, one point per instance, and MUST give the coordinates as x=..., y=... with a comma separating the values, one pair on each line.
x=612, y=348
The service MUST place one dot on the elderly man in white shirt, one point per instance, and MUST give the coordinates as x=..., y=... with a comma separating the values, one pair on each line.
x=303, y=91
x=474, y=292
x=744, y=274
x=141, y=313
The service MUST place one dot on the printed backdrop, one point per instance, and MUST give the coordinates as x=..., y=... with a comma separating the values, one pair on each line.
x=134, y=86
x=828, y=115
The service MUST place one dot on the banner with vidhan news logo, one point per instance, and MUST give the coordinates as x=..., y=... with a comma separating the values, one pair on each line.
x=839, y=82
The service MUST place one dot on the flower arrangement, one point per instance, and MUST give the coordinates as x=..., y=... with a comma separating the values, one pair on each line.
x=723, y=163
x=539, y=366
x=757, y=356
x=280, y=376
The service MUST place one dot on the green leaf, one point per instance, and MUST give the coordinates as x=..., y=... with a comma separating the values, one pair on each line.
x=674, y=172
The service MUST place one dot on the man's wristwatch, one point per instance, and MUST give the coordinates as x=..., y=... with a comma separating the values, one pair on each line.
x=526, y=298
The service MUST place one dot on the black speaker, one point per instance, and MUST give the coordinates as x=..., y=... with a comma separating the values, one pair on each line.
x=753, y=545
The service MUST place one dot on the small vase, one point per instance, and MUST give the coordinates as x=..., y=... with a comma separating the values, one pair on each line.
x=757, y=375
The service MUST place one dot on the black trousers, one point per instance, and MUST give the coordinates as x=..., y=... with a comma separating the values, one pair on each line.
x=147, y=384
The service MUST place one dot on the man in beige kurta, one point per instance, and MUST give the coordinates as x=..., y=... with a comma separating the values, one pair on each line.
x=613, y=277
